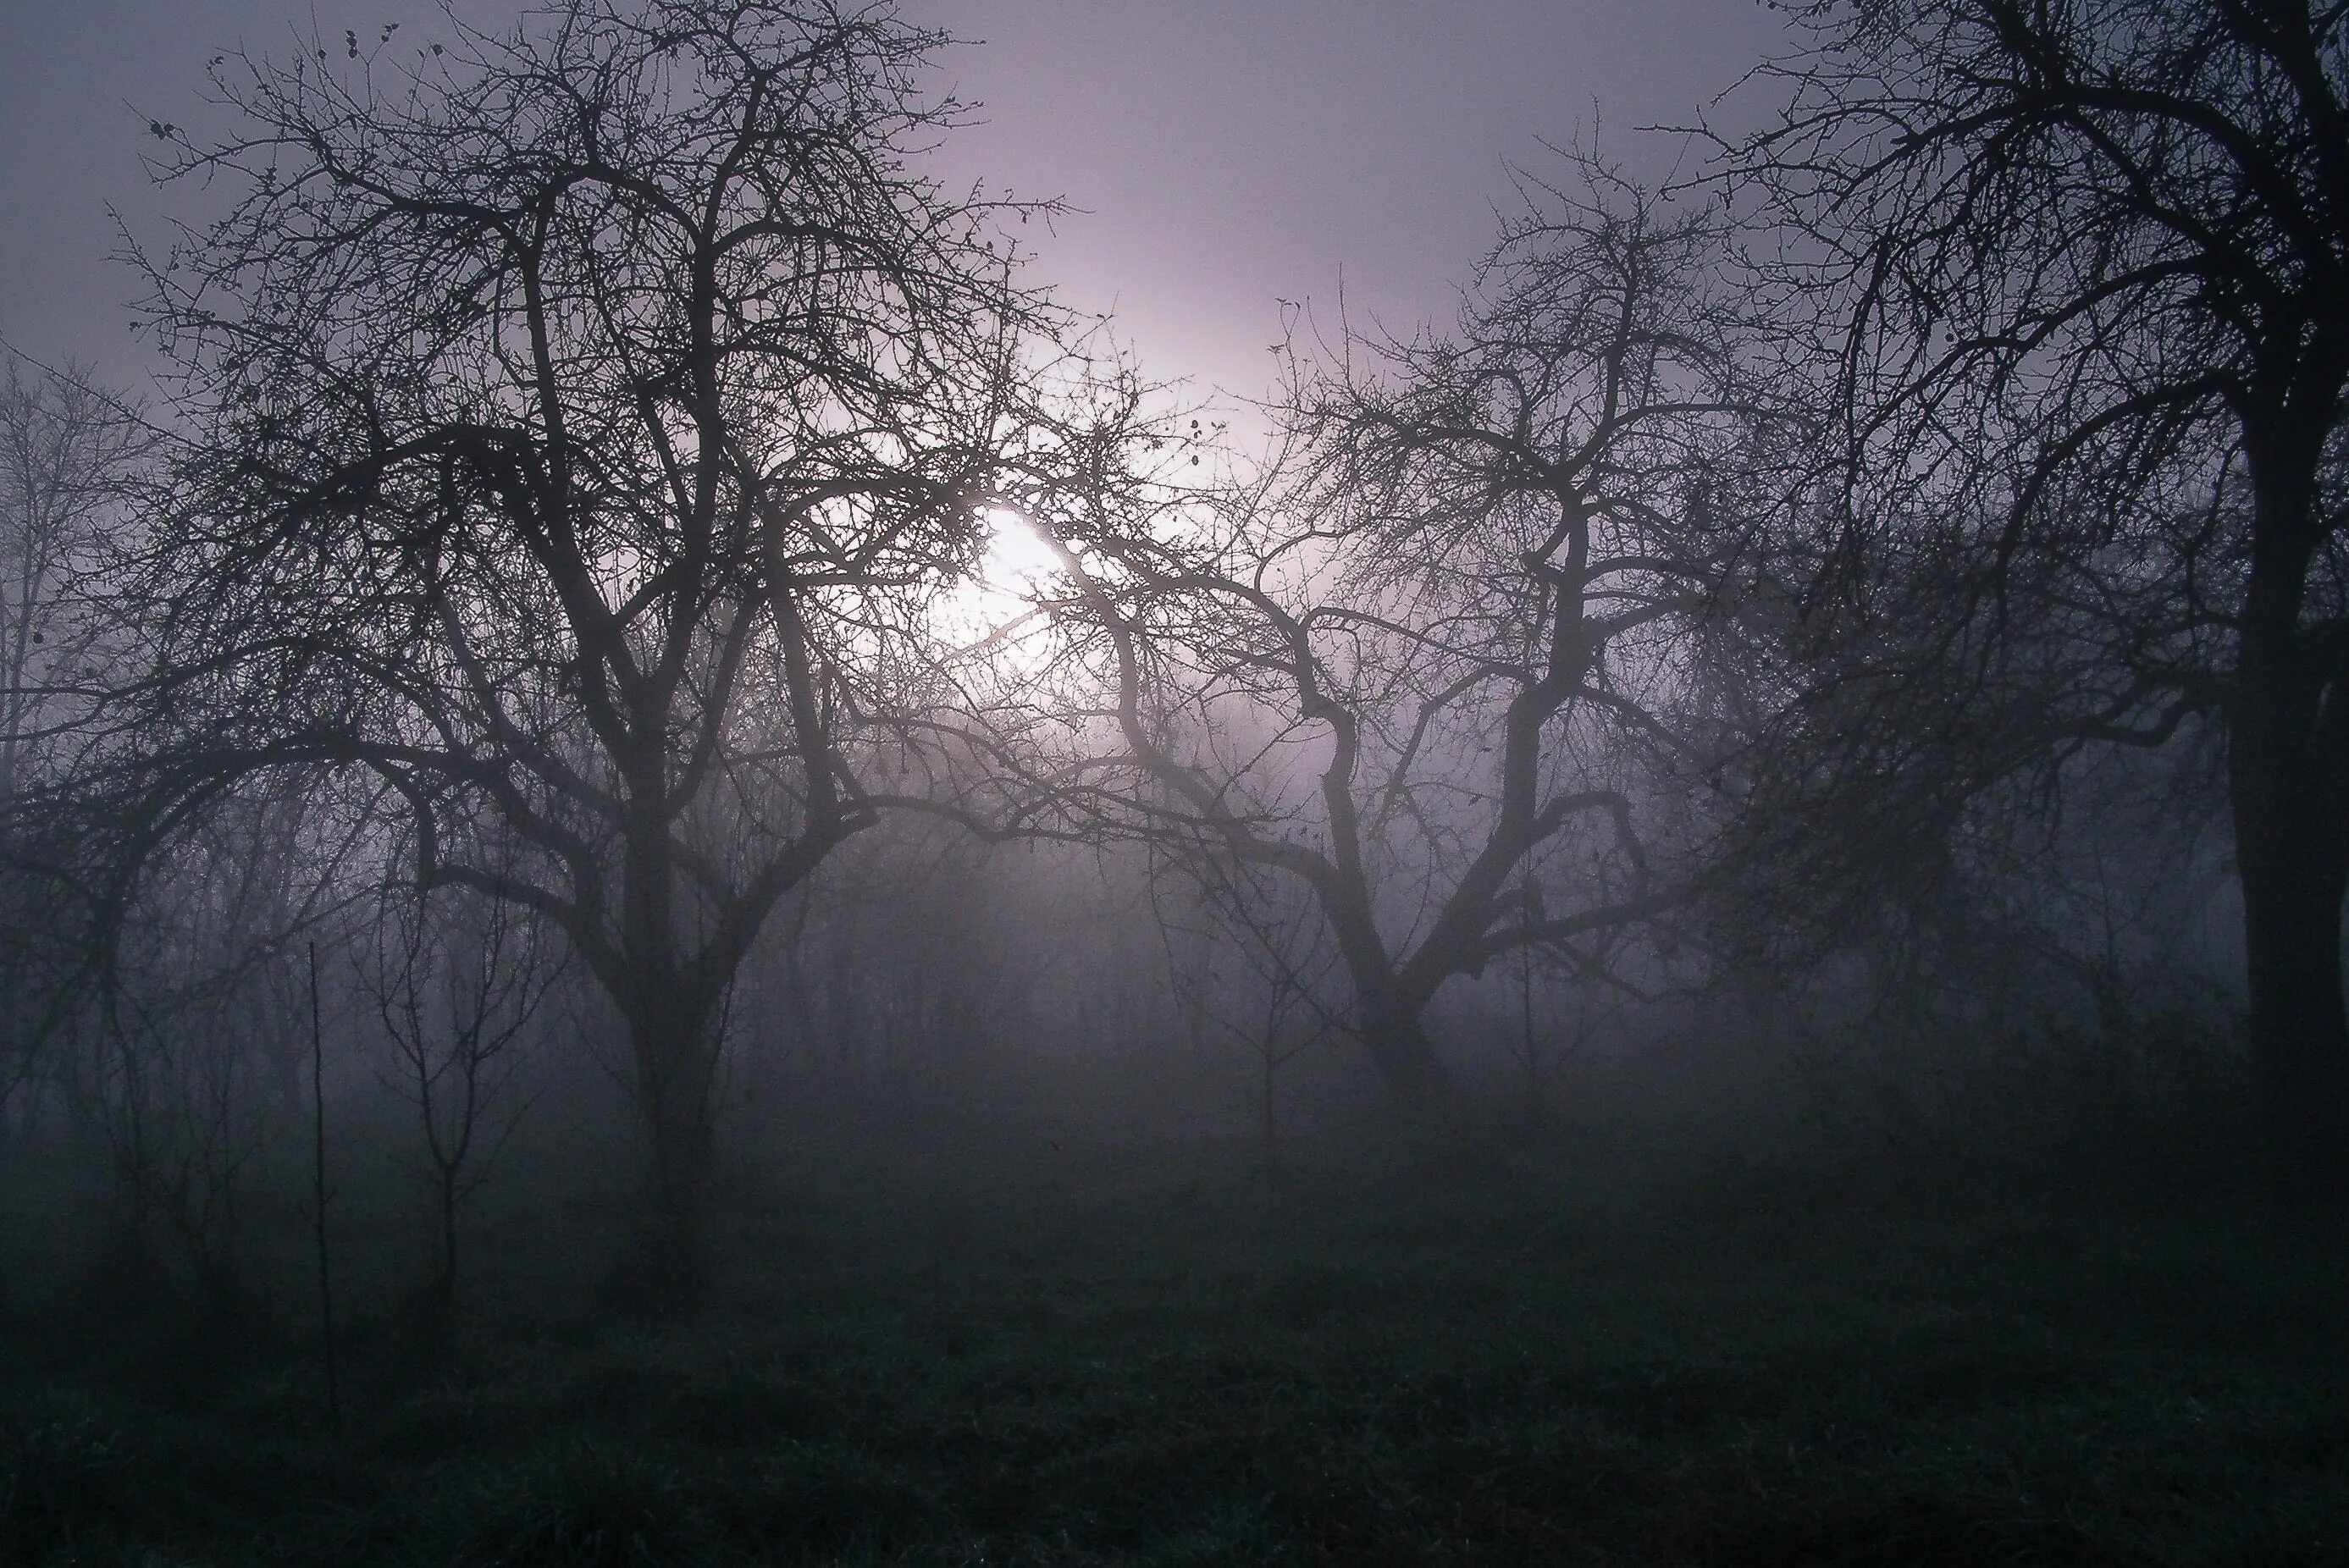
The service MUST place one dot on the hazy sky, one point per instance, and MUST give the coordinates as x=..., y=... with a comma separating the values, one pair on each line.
x=1227, y=153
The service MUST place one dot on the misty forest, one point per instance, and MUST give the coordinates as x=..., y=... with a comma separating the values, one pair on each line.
x=687, y=875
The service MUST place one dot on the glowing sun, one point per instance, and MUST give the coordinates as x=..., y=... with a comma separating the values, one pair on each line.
x=1014, y=566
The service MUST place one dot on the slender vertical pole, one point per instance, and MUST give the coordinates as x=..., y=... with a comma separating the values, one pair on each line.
x=1526, y=998
x=319, y=1195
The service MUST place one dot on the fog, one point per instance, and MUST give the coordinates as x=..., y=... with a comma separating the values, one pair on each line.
x=719, y=843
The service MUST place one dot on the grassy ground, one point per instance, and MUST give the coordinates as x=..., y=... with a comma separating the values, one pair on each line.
x=1107, y=1360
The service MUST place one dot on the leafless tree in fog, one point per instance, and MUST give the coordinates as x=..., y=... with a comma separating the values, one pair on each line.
x=2091, y=262
x=186, y=1043
x=70, y=453
x=1457, y=635
x=455, y=982
x=1282, y=1003
x=579, y=424
x=68, y=456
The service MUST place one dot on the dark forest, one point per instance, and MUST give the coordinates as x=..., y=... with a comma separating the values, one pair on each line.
x=689, y=876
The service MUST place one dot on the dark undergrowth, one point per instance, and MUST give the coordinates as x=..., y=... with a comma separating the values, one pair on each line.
x=1450, y=1360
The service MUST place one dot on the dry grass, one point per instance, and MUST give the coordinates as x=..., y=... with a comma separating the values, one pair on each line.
x=1434, y=1361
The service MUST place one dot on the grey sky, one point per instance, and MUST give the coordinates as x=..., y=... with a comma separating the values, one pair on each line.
x=1227, y=153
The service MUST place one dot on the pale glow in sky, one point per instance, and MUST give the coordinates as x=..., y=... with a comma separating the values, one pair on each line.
x=1223, y=155
x=1017, y=564
x=1018, y=559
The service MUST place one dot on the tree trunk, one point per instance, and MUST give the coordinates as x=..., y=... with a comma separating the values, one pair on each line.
x=675, y=1063
x=1386, y=1012
x=440, y=1305
x=2292, y=847
x=2288, y=786
x=1398, y=1045
x=1271, y=1121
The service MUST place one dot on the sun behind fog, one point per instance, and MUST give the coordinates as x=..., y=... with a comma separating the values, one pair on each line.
x=991, y=602
x=1017, y=559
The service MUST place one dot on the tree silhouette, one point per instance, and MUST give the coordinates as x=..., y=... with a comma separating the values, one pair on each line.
x=71, y=457
x=580, y=422
x=1458, y=632
x=455, y=986
x=2093, y=261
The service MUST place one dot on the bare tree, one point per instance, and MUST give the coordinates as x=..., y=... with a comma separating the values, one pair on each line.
x=582, y=421
x=1281, y=1004
x=69, y=454
x=2093, y=264
x=456, y=982
x=1453, y=638
x=193, y=1003
x=1544, y=1034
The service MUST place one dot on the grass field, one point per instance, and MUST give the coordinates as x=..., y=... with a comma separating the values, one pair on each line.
x=1126, y=1359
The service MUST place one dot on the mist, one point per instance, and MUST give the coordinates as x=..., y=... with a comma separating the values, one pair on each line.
x=723, y=841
